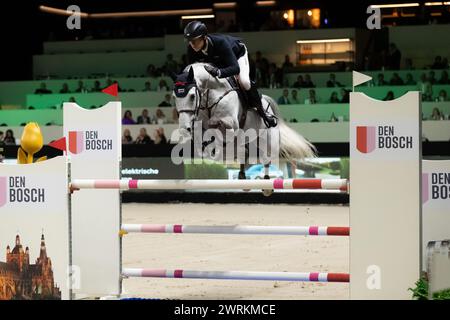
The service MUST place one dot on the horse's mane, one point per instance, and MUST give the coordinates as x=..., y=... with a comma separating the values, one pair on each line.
x=203, y=78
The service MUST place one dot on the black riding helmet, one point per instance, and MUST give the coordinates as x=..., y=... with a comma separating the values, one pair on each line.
x=195, y=29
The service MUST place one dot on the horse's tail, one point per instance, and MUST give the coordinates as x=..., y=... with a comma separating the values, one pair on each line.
x=293, y=146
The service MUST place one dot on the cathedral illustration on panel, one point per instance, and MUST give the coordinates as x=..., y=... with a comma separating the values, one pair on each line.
x=20, y=280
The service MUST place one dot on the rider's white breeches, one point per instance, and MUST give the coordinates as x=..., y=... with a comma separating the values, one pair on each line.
x=244, y=73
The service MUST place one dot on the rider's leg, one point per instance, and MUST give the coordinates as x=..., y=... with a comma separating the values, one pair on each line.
x=253, y=95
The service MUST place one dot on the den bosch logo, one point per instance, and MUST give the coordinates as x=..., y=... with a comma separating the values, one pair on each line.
x=80, y=141
x=369, y=138
x=15, y=189
x=435, y=186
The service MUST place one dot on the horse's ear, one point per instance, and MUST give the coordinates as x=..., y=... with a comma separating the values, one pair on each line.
x=173, y=76
x=190, y=77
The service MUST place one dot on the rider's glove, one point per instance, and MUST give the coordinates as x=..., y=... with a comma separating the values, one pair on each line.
x=215, y=72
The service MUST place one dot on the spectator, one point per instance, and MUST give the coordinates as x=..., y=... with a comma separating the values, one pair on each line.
x=43, y=89
x=65, y=88
x=144, y=118
x=184, y=62
x=436, y=115
x=332, y=81
x=427, y=94
x=334, y=97
x=128, y=118
x=444, y=78
x=72, y=99
x=284, y=99
x=166, y=102
x=275, y=76
x=437, y=64
x=445, y=63
x=312, y=97
x=147, y=86
x=96, y=87
x=409, y=80
x=389, y=96
x=294, y=98
x=442, y=96
x=160, y=117
x=160, y=138
x=2, y=136
x=299, y=82
x=143, y=137
x=162, y=86
x=170, y=66
x=396, y=80
x=81, y=88
x=394, y=57
x=381, y=81
x=127, y=138
x=174, y=115
x=151, y=71
x=262, y=69
x=431, y=78
x=9, y=138
x=308, y=83
x=423, y=82
x=345, y=96
x=287, y=63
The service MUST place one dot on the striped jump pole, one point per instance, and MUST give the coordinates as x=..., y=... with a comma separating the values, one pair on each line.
x=237, y=229
x=238, y=275
x=124, y=184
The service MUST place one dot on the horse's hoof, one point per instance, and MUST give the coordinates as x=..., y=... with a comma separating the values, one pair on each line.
x=267, y=192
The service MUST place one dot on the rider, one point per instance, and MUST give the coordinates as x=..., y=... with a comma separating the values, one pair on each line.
x=230, y=56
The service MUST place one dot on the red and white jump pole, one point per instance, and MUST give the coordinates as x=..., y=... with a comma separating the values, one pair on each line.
x=124, y=184
x=238, y=275
x=237, y=229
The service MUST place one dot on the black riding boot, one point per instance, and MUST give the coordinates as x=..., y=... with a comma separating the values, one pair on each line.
x=254, y=100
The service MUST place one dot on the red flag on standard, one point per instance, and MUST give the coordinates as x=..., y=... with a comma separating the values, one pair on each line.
x=111, y=90
x=59, y=144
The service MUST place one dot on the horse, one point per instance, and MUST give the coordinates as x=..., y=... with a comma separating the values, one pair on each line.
x=216, y=103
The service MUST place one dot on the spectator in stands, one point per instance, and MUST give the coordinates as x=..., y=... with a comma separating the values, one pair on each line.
x=162, y=86
x=294, y=98
x=427, y=94
x=42, y=89
x=308, y=83
x=151, y=71
x=444, y=78
x=170, y=66
x=381, y=81
x=2, y=136
x=345, y=96
x=160, y=137
x=147, y=86
x=423, y=82
x=174, y=116
x=437, y=64
x=65, y=88
x=334, y=97
x=160, y=117
x=183, y=62
x=431, y=78
x=128, y=118
x=299, y=82
x=409, y=80
x=394, y=57
x=332, y=82
x=97, y=87
x=9, y=138
x=262, y=69
x=389, y=96
x=396, y=80
x=287, y=63
x=166, y=102
x=144, y=118
x=284, y=99
x=81, y=88
x=442, y=96
x=72, y=99
x=272, y=76
x=445, y=63
x=312, y=97
x=127, y=138
x=143, y=137
x=436, y=115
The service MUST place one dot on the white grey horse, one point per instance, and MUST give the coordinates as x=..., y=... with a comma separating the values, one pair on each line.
x=201, y=97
